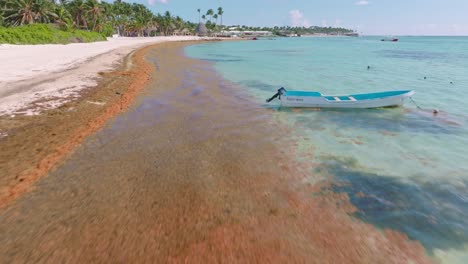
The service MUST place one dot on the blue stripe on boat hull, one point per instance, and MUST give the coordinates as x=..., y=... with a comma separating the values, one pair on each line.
x=378, y=95
x=303, y=93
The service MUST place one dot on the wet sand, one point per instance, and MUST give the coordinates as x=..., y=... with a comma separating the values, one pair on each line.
x=35, y=144
x=192, y=172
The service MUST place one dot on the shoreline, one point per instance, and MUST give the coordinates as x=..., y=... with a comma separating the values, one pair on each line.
x=33, y=145
x=35, y=78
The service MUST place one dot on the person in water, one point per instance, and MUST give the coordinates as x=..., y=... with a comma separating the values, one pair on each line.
x=368, y=67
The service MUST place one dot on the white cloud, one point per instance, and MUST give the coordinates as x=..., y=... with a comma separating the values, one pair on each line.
x=362, y=3
x=153, y=2
x=297, y=19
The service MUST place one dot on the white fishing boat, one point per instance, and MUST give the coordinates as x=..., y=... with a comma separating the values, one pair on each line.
x=317, y=100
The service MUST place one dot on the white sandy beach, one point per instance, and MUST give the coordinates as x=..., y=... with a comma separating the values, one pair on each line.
x=55, y=74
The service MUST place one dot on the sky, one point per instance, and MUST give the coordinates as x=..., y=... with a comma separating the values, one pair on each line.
x=368, y=17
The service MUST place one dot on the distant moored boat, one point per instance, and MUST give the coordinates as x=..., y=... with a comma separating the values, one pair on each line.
x=317, y=100
x=390, y=39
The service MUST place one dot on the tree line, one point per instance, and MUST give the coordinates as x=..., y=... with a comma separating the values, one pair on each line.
x=283, y=30
x=125, y=19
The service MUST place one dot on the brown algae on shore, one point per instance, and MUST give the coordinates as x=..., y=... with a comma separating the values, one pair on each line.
x=193, y=172
x=35, y=144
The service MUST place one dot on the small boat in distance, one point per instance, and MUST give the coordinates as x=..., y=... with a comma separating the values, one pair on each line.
x=317, y=100
x=390, y=39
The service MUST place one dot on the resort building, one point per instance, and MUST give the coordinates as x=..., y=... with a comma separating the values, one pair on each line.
x=246, y=33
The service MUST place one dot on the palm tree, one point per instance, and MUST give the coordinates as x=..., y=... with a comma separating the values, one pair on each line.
x=3, y=6
x=215, y=16
x=210, y=13
x=118, y=20
x=44, y=11
x=179, y=23
x=165, y=23
x=21, y=12
x=94, y=10
x=63, y=18
x=122, y=12
x=198, y=10
x=139, y=25
x=77, y=9
x=107, y=15
x=220, y=13
x=2, y=20
x=168, y=20
x=145, y=17
x=204, y=18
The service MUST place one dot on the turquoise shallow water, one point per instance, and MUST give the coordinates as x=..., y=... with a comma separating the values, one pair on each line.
x=411, y=166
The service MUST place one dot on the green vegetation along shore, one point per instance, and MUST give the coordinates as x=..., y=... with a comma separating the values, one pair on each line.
x=24, y=21
x=45, y=34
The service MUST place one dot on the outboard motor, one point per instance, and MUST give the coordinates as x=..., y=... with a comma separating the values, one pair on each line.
x=280, y=92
